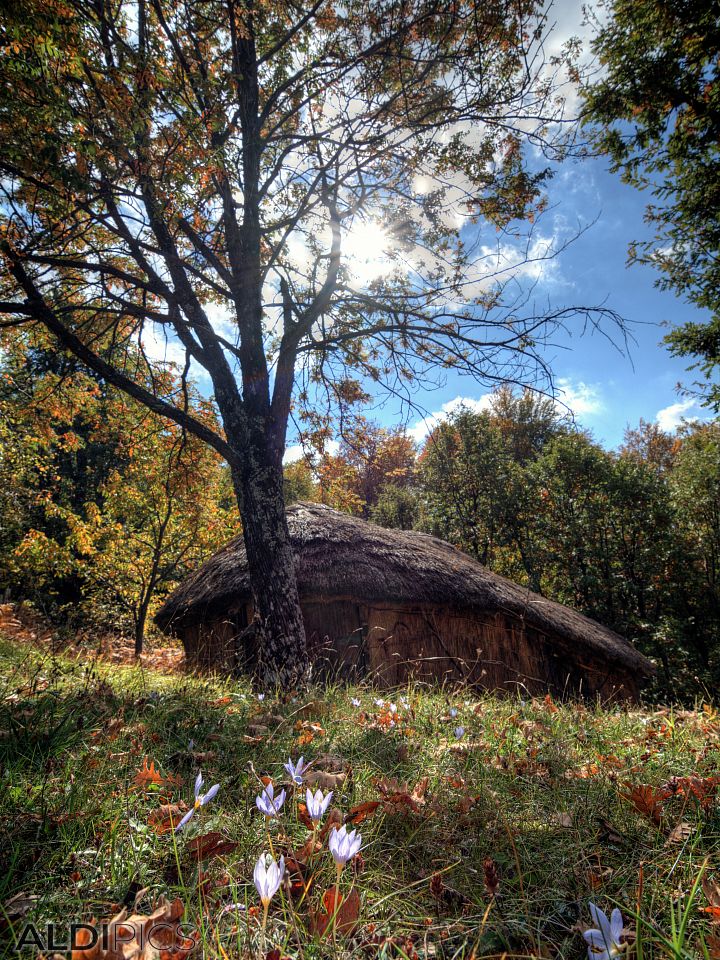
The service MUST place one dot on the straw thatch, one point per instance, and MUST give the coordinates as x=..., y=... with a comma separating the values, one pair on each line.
x=398, y=603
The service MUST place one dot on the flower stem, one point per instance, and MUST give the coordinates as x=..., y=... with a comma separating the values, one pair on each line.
x=261, y=951
x=267, y=827
x=338, y=871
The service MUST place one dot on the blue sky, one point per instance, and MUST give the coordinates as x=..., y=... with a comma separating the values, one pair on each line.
x=608, y=390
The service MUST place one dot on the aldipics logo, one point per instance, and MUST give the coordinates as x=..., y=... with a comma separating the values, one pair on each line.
x=161, y=932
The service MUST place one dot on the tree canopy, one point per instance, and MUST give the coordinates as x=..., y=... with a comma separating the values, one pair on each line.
x=655, y=110
x=194, y=172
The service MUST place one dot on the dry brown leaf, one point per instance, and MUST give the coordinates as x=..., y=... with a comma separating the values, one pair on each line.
x=148, y=775
x=333, y=821
x=711, y=889
x=16, y=908
x=139, y=937
x=713, y=945
x=212, y=844
x=257, y=729
x=167, y=817
x=362, y=811
x=324, y=780
x=348, y=911
x=314, y=708
x=330, y=763
x=680, y=832
x=702, y=789
x=647, y=800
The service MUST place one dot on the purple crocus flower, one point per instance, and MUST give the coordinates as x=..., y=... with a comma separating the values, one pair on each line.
x=200, y=800
x=343, y=845
x=604, y=942
x=297, y=770
x=267, y=877
x=459, y=732
x=268, y=803
x=317, y=804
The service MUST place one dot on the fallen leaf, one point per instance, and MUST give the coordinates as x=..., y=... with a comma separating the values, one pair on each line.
x=324, y=780
x=647, y=800
x=276, y=954
x=212, y=844
x=561, y=820
x=314, y=708
x=702, y=789
x=139, y=937
x=167, y=817
x=681, y=832
x=203, y=756
x=333, y=821
x=330, y=763
x=711, y=889
x=348, y=911
x=609, y=834
x=148, y=775
x=304, y=817
x=16, y=908
x=362, y=811
x=257, y=730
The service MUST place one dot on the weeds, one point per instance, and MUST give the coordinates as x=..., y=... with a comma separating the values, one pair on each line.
x=493, y=843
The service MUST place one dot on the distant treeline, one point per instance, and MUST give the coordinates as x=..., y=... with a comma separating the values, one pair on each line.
x=631, y=538
x=104, y=509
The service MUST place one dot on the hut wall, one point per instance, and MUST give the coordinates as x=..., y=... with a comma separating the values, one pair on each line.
x=335, y=633
x=213, y=644
x=494, y=651
x=394, y=644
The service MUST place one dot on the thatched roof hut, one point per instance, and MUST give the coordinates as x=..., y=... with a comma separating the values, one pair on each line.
x=394, y=604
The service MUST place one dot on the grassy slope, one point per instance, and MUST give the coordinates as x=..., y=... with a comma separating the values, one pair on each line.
x=534, y=786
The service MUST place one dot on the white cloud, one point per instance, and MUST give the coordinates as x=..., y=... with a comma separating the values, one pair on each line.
x=160, y=348
x=422, y=428
x=295, y=451
x=669, y=418
x=583, y=399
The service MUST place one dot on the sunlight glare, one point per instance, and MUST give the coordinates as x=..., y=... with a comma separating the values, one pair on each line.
x=365, y=249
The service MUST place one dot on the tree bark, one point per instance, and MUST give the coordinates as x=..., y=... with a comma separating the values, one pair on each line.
x=140, y=630
x=280, y=631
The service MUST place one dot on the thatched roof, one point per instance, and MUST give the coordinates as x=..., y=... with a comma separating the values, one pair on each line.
x=338, y=555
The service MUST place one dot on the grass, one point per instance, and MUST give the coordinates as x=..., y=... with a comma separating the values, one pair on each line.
x=530, y=796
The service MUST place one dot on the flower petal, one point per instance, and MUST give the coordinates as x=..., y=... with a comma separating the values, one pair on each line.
x=198, y=784
x=210, y=794
x=186, y=819
x=616, y=925
x=602, y=923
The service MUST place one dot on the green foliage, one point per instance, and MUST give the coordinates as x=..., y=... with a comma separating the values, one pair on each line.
x=530, y=800
x=629, y=538
x=396, y=507
x=299, y=482
x=656, y=112
x=106, y=507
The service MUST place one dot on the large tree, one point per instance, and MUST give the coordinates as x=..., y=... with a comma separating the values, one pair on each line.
x=193, y=169
x=655, y=110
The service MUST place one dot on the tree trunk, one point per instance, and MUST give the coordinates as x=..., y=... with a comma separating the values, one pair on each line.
x=140, y=629
x=280, y=631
